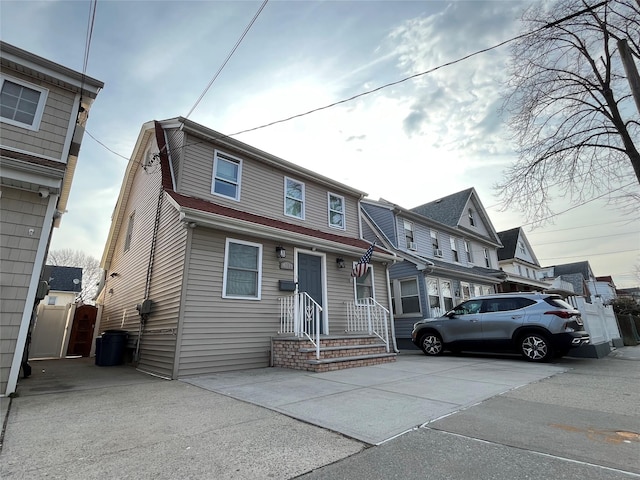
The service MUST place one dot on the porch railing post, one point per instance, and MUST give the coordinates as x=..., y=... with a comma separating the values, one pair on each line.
x=369, y=321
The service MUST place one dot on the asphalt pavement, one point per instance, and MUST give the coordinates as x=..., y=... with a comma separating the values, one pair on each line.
x=452, y=417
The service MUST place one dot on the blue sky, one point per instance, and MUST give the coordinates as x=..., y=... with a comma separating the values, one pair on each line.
x=433, y=135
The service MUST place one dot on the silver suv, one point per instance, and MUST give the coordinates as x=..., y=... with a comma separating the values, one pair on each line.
x=540, y=326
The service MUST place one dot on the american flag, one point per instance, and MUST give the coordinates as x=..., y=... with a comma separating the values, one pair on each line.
x=360, y=268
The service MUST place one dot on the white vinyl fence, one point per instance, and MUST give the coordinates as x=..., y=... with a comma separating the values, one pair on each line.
x=599, y=320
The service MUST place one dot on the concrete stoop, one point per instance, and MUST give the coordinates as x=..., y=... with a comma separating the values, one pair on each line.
x=336, y=353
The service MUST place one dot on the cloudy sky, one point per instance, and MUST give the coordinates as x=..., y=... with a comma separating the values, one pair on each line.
x=410, y=143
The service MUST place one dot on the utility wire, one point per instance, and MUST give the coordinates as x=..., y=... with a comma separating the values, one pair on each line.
x=591, y=254
x=246, y=30
x=453, y=62
x=581, y=226
x=92, y=18
x=100, y=143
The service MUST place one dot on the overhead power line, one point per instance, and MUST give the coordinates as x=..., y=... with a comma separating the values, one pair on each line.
x=588, y=238
x=246, y=30
x=592, y=254
x=582, y=226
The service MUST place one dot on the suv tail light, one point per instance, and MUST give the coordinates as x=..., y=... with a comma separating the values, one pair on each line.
x=560, y=313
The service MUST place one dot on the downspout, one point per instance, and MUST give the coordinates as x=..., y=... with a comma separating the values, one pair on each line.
x=391, y=319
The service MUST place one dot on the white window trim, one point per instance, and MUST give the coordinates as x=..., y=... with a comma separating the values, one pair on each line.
x=397, y=294
x=37, y=118
x=405, y=230
x=343, y=213
x=487, y=257
x=355, y=284
x=454, y=248
x=441, y=297
x=468, y=251
x=302, y=214
x=230, y=158
x=472, y=217
x=226, y=264
x=128, y=238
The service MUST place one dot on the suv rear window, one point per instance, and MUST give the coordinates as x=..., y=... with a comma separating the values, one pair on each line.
x=558, y=302
x=506, y=304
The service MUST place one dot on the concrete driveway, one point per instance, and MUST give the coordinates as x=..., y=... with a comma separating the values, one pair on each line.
x=73, y=420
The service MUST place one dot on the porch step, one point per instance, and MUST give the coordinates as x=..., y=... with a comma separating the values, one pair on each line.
x=336, y=352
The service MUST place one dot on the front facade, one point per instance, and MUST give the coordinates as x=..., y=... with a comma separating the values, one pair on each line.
x=518, y=261
x=449, y=254
x=209, y=240
x=44, y=110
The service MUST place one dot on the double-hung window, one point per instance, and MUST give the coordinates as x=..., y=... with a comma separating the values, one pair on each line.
x=293, y=198
x=472, y=220
x=454, y=249
x=336, y=211
x=227, y=172
x=21, y=103
x=487, y=258
x=409, y=297
x=364, y=286
x=435, y=244
x=467, y=251
x=242, y=270
x=408, y=235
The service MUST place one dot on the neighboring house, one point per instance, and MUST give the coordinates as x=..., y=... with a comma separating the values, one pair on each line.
x=518, y=261
x=632, y=293
x=216, y=247
x=578, y=274
x=44, y=108
x=448, y=248
x=604, y=288
x=54, y=317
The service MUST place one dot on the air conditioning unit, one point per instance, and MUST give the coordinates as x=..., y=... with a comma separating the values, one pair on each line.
x=413, y=246
x=437, y=252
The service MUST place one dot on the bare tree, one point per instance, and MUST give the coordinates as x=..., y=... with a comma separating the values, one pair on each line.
x=572, y=110
x=91, y=271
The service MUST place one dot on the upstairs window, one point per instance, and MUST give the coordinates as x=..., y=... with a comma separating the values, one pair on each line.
x=21, y=103
x=467, y=251
x=435, y=244
x=487, y=258
x=336, y=211
x=408, y=235
x=227, y=172
x=472, y=220
x=293, y=198
x=129, y=235
x=454, y=249
x=521, y=247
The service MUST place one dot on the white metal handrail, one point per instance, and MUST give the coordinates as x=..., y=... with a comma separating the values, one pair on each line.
x=367, y=315
x=301, y=315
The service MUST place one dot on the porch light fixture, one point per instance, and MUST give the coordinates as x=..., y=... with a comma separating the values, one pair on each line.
x=280, y=252
x=340, y=262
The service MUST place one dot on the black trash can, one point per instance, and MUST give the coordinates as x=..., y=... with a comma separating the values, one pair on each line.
x=110, y=348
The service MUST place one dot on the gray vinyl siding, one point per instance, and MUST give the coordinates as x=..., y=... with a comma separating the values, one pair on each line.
x=50, y=138
x=223, y=334
x=385, y=220
x=480, y=228
x=158, y=342
x=157, y=345
x=406, y=270
x=262, y=189
x=19, y=211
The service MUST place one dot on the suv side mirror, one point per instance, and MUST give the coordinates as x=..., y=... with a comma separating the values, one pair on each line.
x=450, y=314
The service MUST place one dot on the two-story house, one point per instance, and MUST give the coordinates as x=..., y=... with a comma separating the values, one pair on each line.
x=517, y=259
x=218, y=249
x=448, y=248
x=43, y=111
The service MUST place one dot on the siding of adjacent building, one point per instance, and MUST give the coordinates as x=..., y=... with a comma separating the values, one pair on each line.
x=49, y=140
x=19, y=211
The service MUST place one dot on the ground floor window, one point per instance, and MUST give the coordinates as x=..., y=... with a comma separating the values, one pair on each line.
x=405, y=297
x=364, y=285
x=440, y=293
x=242, y=270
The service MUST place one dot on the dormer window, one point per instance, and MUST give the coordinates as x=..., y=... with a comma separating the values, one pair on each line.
x=521, y=247
x=472, y=220
x=227, y=172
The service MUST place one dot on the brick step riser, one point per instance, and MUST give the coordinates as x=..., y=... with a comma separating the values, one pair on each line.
x=345, y=353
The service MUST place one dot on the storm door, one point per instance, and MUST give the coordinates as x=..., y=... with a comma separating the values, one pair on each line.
x=310, y=279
